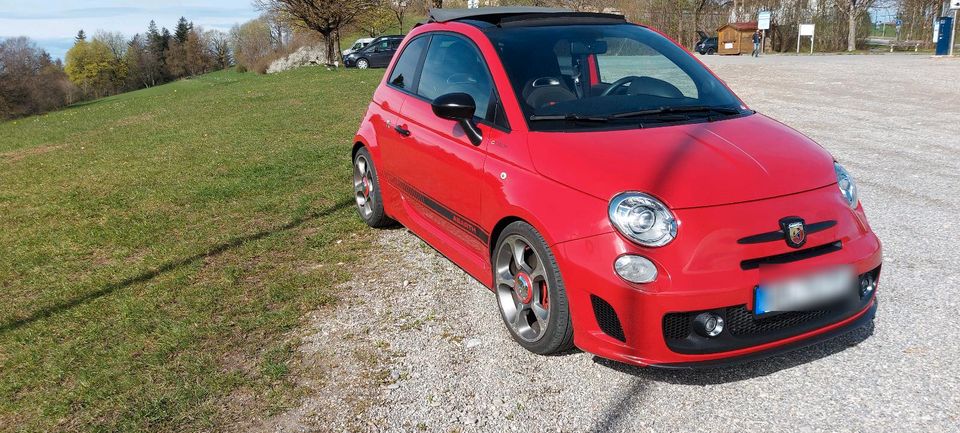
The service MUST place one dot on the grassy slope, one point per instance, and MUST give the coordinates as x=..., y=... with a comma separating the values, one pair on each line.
x=154, y=247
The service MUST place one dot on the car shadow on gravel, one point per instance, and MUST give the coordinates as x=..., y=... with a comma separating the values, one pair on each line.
x=749, y=369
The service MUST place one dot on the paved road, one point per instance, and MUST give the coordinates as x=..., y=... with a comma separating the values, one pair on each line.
x=891, y=120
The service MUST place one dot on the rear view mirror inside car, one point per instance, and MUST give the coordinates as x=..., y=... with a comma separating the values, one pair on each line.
x=586, y=48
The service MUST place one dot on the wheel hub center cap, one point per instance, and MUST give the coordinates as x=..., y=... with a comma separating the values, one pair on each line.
x=524, y=287
x=366, y=186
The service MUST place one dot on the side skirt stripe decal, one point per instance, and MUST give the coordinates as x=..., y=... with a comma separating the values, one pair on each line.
x=459, y=220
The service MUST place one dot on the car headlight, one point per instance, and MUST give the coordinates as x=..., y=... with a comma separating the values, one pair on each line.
x=643, y=219
x=847, y=187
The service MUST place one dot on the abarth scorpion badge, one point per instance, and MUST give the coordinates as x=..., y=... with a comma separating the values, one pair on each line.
x=794, y=231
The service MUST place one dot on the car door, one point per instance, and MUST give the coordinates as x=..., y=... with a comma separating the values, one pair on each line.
x=381, y=54
x=391, y=50
x=399, y=87
x=441, y=168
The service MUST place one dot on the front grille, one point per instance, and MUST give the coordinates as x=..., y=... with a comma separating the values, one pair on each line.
x=607, y=318
x=792, y=256
x=742, y=322
x=676, y=326
x=739, y=321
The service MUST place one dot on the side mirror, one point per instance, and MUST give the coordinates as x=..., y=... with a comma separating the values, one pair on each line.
x=459, y=107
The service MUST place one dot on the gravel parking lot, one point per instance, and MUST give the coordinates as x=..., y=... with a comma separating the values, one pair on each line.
x=444, y=361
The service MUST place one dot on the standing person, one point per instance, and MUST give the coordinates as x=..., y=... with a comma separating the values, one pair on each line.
x=756, y=44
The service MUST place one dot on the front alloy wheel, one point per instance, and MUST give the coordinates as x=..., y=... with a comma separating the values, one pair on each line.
x=529, y=291
x=366, y=190
x=363, y=64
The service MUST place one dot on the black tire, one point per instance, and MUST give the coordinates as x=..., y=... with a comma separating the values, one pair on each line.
x=363, y=63
x=366, y=191
x=711, y=51
x=557, y=335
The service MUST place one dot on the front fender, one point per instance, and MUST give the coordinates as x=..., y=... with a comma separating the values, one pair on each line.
x=558, y=212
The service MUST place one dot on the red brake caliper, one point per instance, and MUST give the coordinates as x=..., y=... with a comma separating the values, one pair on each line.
x=544, y=301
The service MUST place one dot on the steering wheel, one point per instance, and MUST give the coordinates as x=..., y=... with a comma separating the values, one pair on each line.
x=618, y=84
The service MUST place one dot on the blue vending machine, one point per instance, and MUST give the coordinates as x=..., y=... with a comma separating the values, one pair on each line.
x=945, y=29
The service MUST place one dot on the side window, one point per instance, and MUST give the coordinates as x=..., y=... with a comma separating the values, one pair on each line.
x=454, y=65
x=403, y=73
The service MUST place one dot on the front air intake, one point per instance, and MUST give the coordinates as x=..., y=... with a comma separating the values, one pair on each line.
x=607, y=318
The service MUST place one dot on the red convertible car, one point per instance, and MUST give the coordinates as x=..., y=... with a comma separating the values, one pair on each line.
x=612, y=192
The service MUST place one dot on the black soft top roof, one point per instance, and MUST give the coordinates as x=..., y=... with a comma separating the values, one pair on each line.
x=511, y=16
x=487, y=14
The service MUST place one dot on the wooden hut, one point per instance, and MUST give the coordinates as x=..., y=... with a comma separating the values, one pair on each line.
x=736, y=38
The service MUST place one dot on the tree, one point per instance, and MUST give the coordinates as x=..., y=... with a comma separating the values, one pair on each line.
x=853, y=10
x=199, y=60
x=30, y=82
x=81, y=36
x=182, y=31
x=114, y=41
x=143, y=65
x=327, y=17
x=251, y=42
x=376, y=21
x=93, y=68
x=399, y=8
x=84, y=66
x=278, y=22
x=218, y=44
x=154, y=41
x=175, y=60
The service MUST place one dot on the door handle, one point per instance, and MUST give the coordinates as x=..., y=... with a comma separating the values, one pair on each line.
x=402, y=131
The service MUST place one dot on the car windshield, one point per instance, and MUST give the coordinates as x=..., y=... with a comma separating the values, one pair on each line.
x=614, y=75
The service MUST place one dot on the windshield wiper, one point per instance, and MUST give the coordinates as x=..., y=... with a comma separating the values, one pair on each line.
x=678, y=109
x=569, y=117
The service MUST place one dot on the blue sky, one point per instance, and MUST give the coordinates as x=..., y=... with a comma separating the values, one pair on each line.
x=52, y=24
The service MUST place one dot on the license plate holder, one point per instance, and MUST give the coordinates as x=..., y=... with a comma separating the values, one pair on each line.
x=803, y=293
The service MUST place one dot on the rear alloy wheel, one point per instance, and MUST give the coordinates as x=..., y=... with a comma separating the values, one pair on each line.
x=366, y=190
x=363, y=64
x=530, y=293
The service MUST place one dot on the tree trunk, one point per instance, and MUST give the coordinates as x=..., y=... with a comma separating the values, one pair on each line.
x=337, y=50
x=331, y=41
x=852, y=35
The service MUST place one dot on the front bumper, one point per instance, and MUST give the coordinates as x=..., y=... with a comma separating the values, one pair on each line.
x=706, y=269
x=349, y=62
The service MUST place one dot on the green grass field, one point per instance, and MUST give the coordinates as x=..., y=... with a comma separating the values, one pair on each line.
x=156, y=247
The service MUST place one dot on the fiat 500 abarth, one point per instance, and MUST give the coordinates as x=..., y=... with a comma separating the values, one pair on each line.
x=612, y=192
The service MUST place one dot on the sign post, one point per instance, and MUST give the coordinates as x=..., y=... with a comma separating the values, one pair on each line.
x=806, y=30
x=954, y=5
x=763, y=23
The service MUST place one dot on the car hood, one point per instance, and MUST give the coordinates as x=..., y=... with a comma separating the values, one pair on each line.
x=694, y=165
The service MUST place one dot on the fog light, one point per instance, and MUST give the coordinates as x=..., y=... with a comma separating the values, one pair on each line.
x=635, y=269
x=867, y=284
x=708, y=324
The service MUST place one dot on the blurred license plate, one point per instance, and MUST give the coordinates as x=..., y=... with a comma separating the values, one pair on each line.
x=806, y=292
